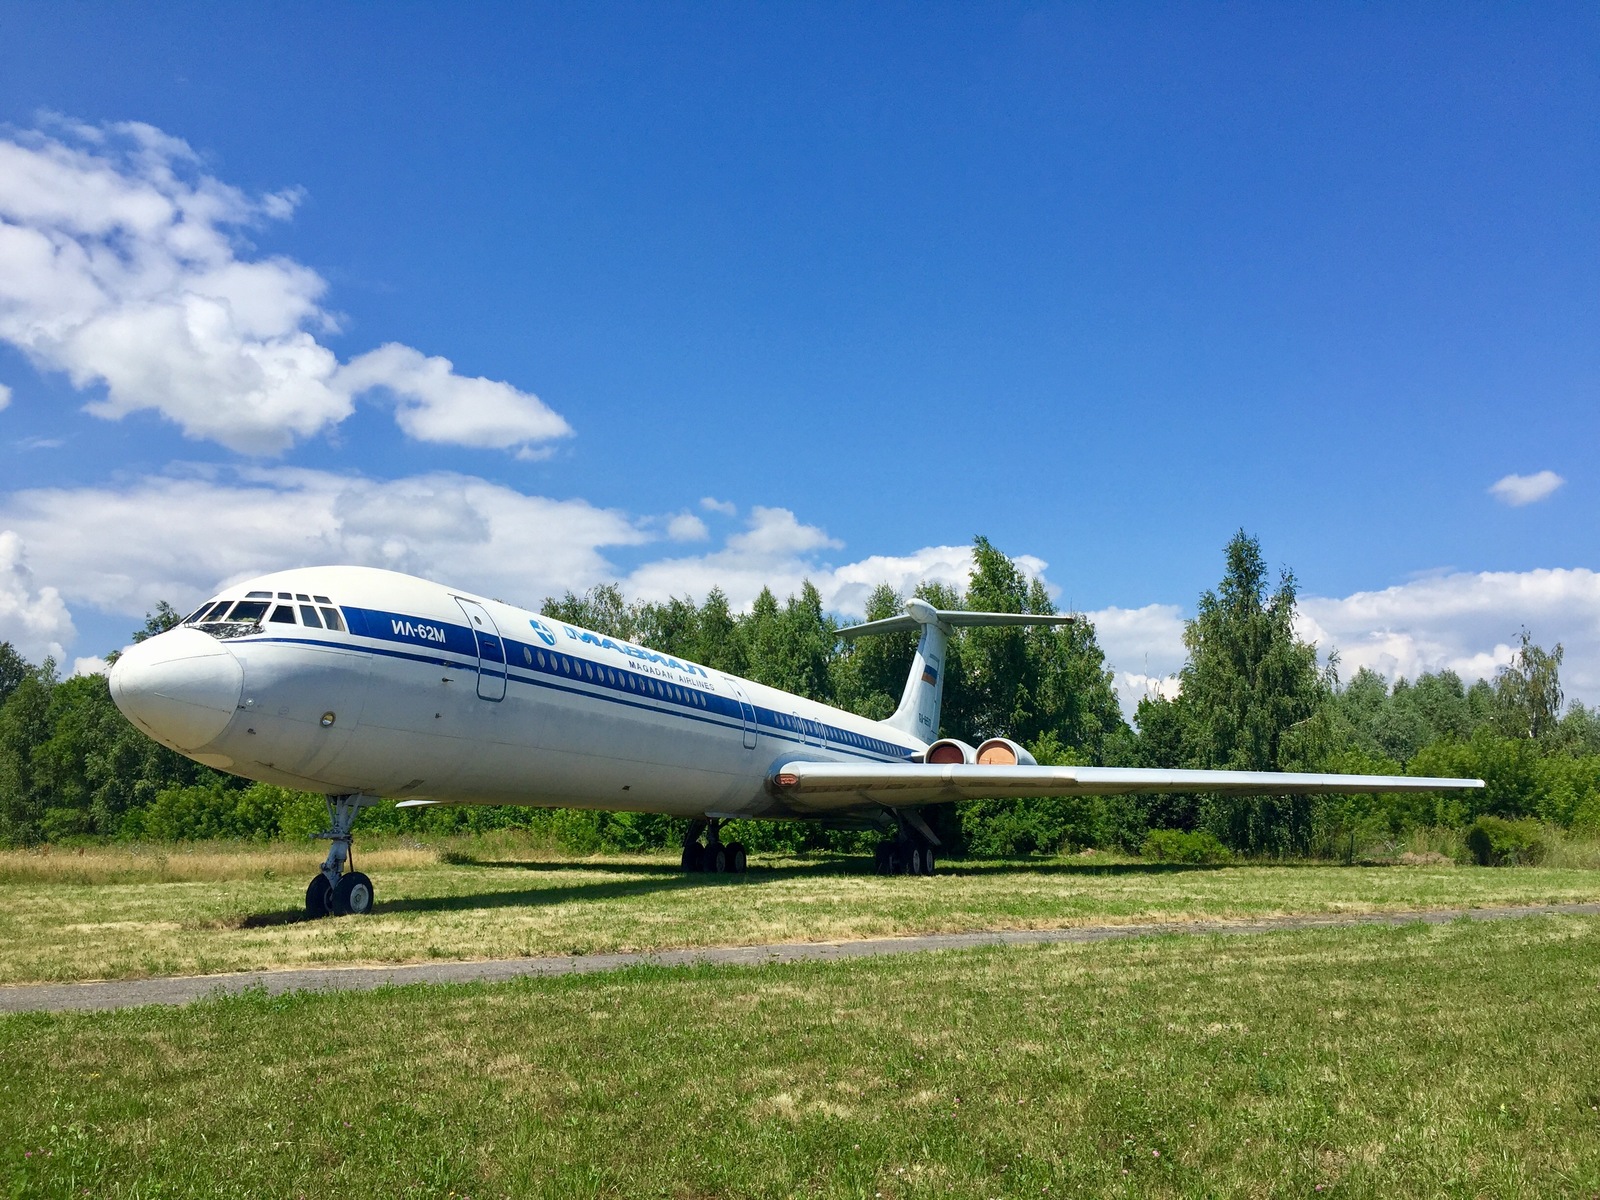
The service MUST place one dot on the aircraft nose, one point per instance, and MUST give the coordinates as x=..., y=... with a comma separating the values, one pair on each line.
x=181, y=687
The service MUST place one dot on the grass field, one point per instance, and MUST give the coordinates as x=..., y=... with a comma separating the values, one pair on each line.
x=1455, y=1060
x=124, y=912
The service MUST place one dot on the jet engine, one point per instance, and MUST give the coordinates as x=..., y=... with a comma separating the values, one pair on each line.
x=1003, y=752
x=950, y=752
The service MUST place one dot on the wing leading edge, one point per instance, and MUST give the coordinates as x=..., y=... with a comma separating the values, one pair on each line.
x=822, y=786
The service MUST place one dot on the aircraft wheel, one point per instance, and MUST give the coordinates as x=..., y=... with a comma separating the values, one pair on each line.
x=319, y=896
x=693, y=858
x=927, y=860
x=914, y=863
x=352, y=895
x=716, y=860
x=737, y=859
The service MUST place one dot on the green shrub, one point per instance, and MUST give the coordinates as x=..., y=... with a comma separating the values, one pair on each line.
x=1496, y=842
x=1176, y=846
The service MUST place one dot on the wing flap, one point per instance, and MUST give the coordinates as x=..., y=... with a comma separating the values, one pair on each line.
x=821, y=786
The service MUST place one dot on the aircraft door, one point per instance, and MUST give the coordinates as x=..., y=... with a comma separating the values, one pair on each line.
x=747, y=712
x=491, y=650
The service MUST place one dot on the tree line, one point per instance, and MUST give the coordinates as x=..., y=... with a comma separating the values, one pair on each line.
x=1252, y=696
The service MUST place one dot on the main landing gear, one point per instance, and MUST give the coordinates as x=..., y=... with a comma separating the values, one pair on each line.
x=713, y=858
x=910, y=851
x=339, y=889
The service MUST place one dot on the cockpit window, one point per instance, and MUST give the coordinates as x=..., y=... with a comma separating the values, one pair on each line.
x=248, y=610
x=309, y=616
x=283, y=615
x=334, y=621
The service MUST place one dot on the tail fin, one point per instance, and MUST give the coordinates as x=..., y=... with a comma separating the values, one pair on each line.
x=918, y=713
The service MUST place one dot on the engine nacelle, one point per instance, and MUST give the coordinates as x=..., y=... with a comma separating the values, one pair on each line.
x=1003, y=752
x=950, y=752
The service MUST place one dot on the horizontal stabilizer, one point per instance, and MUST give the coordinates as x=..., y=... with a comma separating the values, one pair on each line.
x=951, y=618
x=822, y=786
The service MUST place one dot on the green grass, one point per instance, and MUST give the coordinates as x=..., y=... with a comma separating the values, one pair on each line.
x=1455, y=1060
x=128, y=912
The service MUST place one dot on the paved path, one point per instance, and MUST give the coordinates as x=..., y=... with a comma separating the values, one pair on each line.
x=181, y=989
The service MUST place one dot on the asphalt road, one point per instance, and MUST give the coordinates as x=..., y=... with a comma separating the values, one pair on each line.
x=182, y=989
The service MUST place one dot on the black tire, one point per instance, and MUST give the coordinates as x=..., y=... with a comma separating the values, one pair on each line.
x=914, y=861
x=319, y=896
x=737, y=859
x=716, y=860
x=693, y=858
x=352, y=895
x=928, y=860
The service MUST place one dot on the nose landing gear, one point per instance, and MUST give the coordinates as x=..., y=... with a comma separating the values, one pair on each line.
x=339, y=889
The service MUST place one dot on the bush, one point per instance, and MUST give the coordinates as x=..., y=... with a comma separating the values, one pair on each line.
x=1173, y=845
x=1496, y=842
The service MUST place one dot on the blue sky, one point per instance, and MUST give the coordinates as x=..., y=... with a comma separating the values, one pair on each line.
x=1104, y=283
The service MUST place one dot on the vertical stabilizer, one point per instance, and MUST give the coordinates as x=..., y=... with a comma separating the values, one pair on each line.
x=918, y=714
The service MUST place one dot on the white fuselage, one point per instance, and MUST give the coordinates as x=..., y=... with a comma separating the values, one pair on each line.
x=434, y=693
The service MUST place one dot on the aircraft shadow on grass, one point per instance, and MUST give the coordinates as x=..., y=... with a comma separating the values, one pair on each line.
x=659, y=877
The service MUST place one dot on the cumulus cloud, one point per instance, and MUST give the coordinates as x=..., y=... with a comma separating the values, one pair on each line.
x=726, y=507
x=437, y=405
x=176, y=536
x=1466, y=622
x=34, y=619
x=1517, y=490
x=1144, y=649
x=686, y=527
x=124, y=266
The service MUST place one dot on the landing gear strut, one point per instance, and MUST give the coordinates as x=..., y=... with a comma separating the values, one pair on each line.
x=713, y=858
x=339, y=889
x=910, y=851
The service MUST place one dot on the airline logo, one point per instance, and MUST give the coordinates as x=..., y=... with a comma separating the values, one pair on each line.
x=546, y=634
x=930, y=676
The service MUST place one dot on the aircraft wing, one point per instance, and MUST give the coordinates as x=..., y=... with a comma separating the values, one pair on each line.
x=823, y=786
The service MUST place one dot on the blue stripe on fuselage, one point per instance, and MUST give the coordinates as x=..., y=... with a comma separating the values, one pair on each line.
x=542, y=666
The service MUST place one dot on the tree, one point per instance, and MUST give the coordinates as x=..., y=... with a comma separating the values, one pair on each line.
x=1528, y=691
x=13, y=670
x=1250, y=692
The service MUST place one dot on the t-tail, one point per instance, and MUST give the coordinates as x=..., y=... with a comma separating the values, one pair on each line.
x=918, y=713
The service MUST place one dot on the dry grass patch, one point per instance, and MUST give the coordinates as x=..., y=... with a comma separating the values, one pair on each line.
x=126, y=912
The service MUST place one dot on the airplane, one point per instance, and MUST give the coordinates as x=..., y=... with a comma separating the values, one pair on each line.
x=364, y=684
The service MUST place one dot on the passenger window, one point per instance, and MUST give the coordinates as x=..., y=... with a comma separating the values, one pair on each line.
x=541, y=658
x=333, y=620
x=527, y=656
x=309, y=616
x=283, y=615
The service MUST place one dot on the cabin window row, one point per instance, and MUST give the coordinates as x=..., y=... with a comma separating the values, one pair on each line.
x=580, y=669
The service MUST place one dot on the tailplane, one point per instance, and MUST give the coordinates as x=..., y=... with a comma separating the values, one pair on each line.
x=918, y=713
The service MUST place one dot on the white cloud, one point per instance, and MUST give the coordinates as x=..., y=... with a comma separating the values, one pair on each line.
x=33, y=619
x=1144, y=648
x=726, y=507
x=123, y=265
x=1517, y=490
x=176, y=536
x=91, y=664
x=1466, y=622
x=5, y=395
x=437, y=405
x=686, y=527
